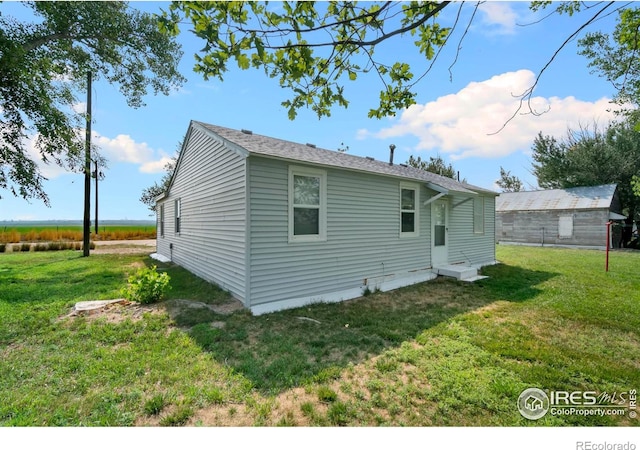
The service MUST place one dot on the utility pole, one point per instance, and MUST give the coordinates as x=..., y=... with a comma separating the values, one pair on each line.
x=86, y=230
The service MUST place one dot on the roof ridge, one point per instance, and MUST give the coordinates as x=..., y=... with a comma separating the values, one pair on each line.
x=287, y=149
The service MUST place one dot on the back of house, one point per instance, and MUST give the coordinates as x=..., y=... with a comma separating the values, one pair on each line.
x=281, y=224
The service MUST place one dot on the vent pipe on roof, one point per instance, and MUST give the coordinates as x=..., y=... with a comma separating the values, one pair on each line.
x=392, y=147
x=311, y=145
x=246, y=131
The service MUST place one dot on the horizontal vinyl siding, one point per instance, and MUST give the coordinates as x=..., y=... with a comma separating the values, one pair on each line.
x=465, y=246
x=210, y=183
x=162, y=244
x=363, y=229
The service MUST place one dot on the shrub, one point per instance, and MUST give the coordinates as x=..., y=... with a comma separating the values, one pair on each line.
x=146, y=286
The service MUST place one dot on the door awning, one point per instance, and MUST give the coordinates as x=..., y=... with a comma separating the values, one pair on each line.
x=448, y=190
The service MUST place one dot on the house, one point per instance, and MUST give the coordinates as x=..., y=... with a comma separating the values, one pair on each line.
x=281, y=224
x=573, y=216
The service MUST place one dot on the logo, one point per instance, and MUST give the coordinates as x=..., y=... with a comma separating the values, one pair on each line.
x=533, y=403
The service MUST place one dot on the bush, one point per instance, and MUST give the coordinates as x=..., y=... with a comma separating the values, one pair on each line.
x=146, y=286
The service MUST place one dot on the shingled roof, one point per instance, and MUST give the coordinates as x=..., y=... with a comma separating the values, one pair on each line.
x=277, y=148
x=586, y=197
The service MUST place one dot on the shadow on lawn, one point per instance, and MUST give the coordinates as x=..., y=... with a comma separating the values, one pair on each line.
x=313, y=344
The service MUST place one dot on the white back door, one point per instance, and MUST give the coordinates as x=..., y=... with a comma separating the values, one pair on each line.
x=439, y=232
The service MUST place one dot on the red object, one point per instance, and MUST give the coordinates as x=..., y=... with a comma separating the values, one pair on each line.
x=606, y=265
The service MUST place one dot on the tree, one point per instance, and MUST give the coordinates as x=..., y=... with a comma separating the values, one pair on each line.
x=314, y=49
x=44, y=63
x=615, y=57
x=311, y=46
x=593, y=157
x=508, y=182
x=550, y=163
x=149, y=194
x=635, y=184
x=435, y=165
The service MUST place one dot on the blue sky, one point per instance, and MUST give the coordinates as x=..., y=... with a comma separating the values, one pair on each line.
x=455, y=116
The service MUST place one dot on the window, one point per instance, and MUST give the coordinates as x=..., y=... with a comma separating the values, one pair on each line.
x=408, y=211
x=565, y=227
x=178, y=213
x=478, y=215
x=162, y=220
x=307, y=205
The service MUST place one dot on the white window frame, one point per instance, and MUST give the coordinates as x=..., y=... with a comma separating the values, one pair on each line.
x=322, y=207
x=478, y=215
x=178, y=215
x=415, y=210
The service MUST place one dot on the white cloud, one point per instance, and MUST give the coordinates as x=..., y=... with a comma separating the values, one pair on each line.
x=49, y=169
x=470, y=122
x=155, y=166
x=122, y=149
x=499, y=17
x=79, y=107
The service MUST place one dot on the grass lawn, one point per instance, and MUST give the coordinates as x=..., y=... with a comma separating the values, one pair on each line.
x=438, y=353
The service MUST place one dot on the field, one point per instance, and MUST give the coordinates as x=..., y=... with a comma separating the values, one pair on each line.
x=441, y=353
x=68, y=231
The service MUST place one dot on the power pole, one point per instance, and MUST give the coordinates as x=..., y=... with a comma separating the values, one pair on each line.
x=86, y=230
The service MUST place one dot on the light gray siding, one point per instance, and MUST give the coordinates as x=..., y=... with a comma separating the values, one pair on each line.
x=363, y=234
x=210, y=185
x=465, y=246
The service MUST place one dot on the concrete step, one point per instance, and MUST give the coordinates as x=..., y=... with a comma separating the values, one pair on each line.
x=476, y=278
x=456, y=271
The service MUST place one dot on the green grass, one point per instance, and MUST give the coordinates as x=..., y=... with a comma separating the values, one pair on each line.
x=438, y=353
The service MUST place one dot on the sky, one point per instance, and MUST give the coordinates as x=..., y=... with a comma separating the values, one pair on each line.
x=462, y=112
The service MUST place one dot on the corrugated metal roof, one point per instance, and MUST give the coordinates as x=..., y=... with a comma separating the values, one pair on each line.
x=278, y=148
x=587, y=197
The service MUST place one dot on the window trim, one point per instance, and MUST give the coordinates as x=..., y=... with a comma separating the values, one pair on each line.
x=415, y=211
x=478, y=230
x=178, y=215
x=322, y=207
